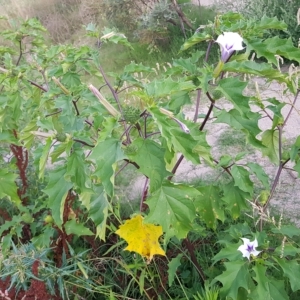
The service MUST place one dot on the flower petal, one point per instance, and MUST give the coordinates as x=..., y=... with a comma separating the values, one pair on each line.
x=242, y=248
x=221, y=39
x=246, y=241
x=229, y=42
x=255, y=252
x=255, y=243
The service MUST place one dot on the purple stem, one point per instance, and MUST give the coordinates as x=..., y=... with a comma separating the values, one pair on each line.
x=143, y=193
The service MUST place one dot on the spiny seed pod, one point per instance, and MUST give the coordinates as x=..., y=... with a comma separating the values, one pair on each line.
x=216, y=95
x=131, y=150
x=264, y=196
x=61, y=137
x=131, y=114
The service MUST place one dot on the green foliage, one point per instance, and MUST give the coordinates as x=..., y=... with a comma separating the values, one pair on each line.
x=208, y=293
x=287, y=13
x=234, y=278
x=64, y=142
x=172, y=206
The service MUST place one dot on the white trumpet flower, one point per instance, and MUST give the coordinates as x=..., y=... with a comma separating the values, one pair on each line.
x=248, y=248
x=229, y=42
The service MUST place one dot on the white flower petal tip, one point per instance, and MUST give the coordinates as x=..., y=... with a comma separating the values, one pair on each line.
x=229, y=42
x=182, y=126
x=248, y=248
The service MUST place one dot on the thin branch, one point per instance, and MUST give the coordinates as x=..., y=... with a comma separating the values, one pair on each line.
x=111, y=89
x=76, y=108
x=125, y=88
x=292, y=107
x=153, y=133
x=268, y=115
x=176, y=166
x=197, y=105
x=45, y=79
x=122, y=168
x=89, y=123
x=21, y=53
x=144, y=193
x=210, y=97
x=133, y=163
x=208, y=50
x=275, y=182
x=191, y=251
x=138, y=127
x=280, y=142
x=102, y=86
x=145, y=124
x=37, y=85
x=84, y=143
x=126, y=131
x=226, y=169
x=207, y=115
x=181, y=14
x=115, y=95
x=196, y=112
x=30, y=81
x=54, y=113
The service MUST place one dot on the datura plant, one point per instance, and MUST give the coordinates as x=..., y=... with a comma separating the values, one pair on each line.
x=65, y=120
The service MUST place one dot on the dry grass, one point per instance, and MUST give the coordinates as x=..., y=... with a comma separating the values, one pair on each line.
x=62, y=18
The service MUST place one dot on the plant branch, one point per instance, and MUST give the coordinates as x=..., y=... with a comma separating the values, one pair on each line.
x=292, y=107
x=144, y=193
x=76, y=108
x=37, y=85
x=45, y=79
x=181, y=15
x=122, y=168
x=124, y=89
x=226, y=169
x=197, y=105
x=176, y=166
x=268, y=115
x=280, y=142
x=84, y=143
x=208, y=50
x=21, y=53
x=138, y=127
x=126, y=131
x=89, y=123
x=115, y=95
x=196, y=112
x=54, y=113
x=153, y=133
x=275, y=182
x=207, y=114
x=191, y=251
x=133, y=163
x=30, y=81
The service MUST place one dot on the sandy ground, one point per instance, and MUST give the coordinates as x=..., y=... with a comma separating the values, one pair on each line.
x=203, y=2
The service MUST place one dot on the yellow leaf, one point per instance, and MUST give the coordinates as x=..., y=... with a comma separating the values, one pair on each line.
x=141, y=238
